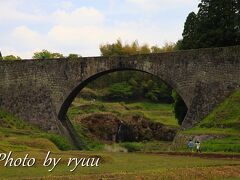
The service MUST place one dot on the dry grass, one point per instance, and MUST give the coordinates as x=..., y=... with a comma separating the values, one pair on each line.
x=203, y=173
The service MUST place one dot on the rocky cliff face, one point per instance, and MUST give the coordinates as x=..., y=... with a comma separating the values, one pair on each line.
x=108, y=127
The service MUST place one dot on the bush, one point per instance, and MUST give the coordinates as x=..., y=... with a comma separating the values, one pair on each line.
x=179, y=108
x=119, y=91
x=61, y=142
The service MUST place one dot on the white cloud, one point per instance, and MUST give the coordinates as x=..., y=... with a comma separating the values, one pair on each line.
x=66, y=5
x=78, y=17
x=10, y=12
x=150, y=5
x=81, y=30
x=27, y=36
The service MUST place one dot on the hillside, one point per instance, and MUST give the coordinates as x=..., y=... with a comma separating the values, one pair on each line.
x=18, y=135
x=225, y=119
x=151, y=124
x=221, y=128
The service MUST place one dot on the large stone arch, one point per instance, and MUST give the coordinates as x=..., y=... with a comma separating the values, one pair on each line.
x=36, y=90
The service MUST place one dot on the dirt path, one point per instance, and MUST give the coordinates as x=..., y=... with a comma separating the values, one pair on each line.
x=204, y=155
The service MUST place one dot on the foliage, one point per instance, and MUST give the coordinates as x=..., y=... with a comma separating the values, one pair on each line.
x=119, y=91
x=216, y=24
x=227, y=144
x=7, y=120
x=226, y=115
x=11, y=57
x=18, y=129
x=120, y=49
x=61, y=142
x=157, y=112
x=224, y=119
x=73, y=56
x=45, y=54
x=189, y=32
x=179, y=107
x=142, y=85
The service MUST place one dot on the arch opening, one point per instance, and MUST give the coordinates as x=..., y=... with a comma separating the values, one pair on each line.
x=121, y=129
x=70, y=98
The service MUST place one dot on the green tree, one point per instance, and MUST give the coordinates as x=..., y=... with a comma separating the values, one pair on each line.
x=73, y=56
x=45, y=54
x=120, y=91
x=1, y=58
x=145, y=49
x=115, y=49
x=216, y=24
x=120, y=49
x=189, y=33
x=11, y=57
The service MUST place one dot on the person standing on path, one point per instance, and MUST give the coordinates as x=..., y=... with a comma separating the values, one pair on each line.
x=191, y=145
x=198, y=147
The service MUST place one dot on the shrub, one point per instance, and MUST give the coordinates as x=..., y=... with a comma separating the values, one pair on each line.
x=61, y=142
x=119, y=91
x=179, y=108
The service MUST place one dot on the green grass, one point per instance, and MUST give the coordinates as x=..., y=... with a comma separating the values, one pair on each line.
x=225, y=119
x=151, y=146
x=224, y=122
x=227, y=144
x=18, y=135
x=122, y=165
x=153, y=111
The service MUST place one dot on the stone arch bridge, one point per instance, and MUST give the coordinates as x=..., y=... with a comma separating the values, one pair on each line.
x=40, y=91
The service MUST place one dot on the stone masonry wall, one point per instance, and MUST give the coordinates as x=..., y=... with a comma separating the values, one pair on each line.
x=40, y=91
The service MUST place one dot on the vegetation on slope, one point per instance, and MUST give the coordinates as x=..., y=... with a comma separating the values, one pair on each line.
x=155, y=112
x=18, y=135
x=225, y=119
x=223, y=122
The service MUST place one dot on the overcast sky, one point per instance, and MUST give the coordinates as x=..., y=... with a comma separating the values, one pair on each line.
x=77, y=26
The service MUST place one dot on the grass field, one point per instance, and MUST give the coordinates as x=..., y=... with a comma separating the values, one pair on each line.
x=126, y=166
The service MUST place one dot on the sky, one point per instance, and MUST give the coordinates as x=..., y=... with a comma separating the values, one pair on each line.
x=79, y=27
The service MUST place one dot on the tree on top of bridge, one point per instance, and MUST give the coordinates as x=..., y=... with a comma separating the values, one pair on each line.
x=11, y=57
x=45, y=54
x=120, y=49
